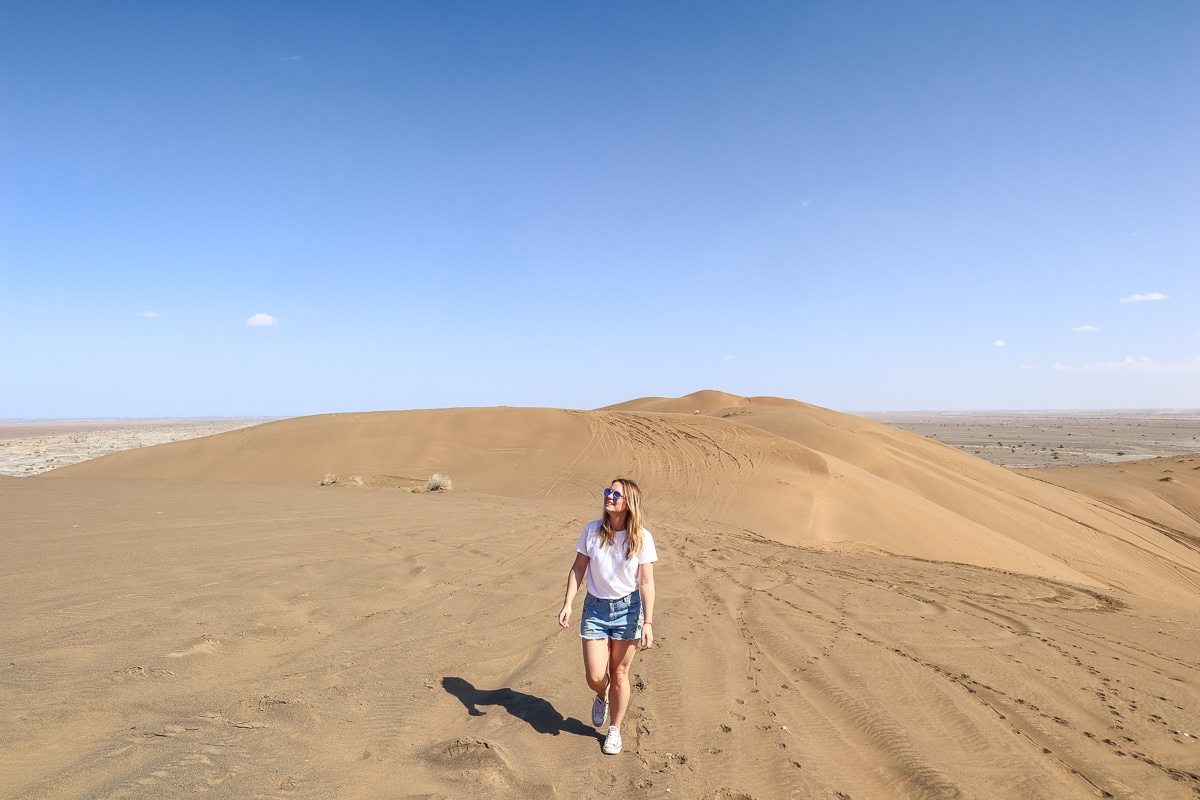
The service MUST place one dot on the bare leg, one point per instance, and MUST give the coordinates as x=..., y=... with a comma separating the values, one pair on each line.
x=620, y=659
x=595, y=665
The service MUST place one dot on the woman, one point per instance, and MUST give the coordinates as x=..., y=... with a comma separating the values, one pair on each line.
x=617, y=554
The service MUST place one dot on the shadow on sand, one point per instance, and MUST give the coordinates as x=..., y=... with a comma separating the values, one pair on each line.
x=540, y=714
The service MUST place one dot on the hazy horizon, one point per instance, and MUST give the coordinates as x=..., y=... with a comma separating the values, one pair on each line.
x=859, y=412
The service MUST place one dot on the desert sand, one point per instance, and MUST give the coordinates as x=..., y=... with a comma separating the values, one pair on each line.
x=846, y=610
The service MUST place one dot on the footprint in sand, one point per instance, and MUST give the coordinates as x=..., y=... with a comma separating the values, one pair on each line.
x=472, y=754
x=203, y=646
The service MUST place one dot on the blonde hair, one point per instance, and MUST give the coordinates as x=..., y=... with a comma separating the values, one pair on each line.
x=633, y=519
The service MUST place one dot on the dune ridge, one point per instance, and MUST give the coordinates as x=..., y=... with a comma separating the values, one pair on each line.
x=776, y=468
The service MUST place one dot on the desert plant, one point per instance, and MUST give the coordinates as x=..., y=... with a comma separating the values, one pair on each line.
x=329, y=479
x=438, y=482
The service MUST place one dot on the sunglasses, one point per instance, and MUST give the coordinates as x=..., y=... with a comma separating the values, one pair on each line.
x=614, y=495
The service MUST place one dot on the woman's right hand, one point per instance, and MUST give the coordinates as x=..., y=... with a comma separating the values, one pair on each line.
x=564, y=617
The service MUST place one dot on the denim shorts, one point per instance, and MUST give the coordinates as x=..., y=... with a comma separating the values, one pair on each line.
x=612, y=619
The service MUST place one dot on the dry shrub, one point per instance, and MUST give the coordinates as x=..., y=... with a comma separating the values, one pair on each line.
x=438, y=482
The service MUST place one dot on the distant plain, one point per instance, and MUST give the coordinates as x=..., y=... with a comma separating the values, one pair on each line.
x=1055, y=438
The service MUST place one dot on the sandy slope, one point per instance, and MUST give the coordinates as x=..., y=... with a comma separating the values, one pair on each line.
x=1164, y=490
x=779, y=469
x=201, y=617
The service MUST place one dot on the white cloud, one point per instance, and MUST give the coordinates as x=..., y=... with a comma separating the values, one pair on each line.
x=262, y=321
x=1137, y=298
x=1143, y=364
x=1085, y=329
x=999, y=343
x=150, y=314
x=729, y=358
x=1027, y=367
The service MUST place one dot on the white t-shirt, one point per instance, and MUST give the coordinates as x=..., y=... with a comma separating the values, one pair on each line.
x=610, y=575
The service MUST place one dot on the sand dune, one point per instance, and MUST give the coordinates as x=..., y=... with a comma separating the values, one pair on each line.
x=1163, y=490
x=846, y=611
x=779, y=469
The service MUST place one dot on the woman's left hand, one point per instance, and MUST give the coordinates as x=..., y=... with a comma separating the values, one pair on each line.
x=647, y=636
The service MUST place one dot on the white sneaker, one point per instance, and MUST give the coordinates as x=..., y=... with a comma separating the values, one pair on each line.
x=612, y=743
x=599, y=711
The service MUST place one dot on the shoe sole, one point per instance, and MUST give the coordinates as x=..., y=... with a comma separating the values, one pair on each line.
x=601, y=722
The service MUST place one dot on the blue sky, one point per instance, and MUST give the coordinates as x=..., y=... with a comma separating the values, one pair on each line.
x=866, y=206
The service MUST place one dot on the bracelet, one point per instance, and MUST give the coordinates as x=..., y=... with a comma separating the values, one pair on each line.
x=647, y=623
